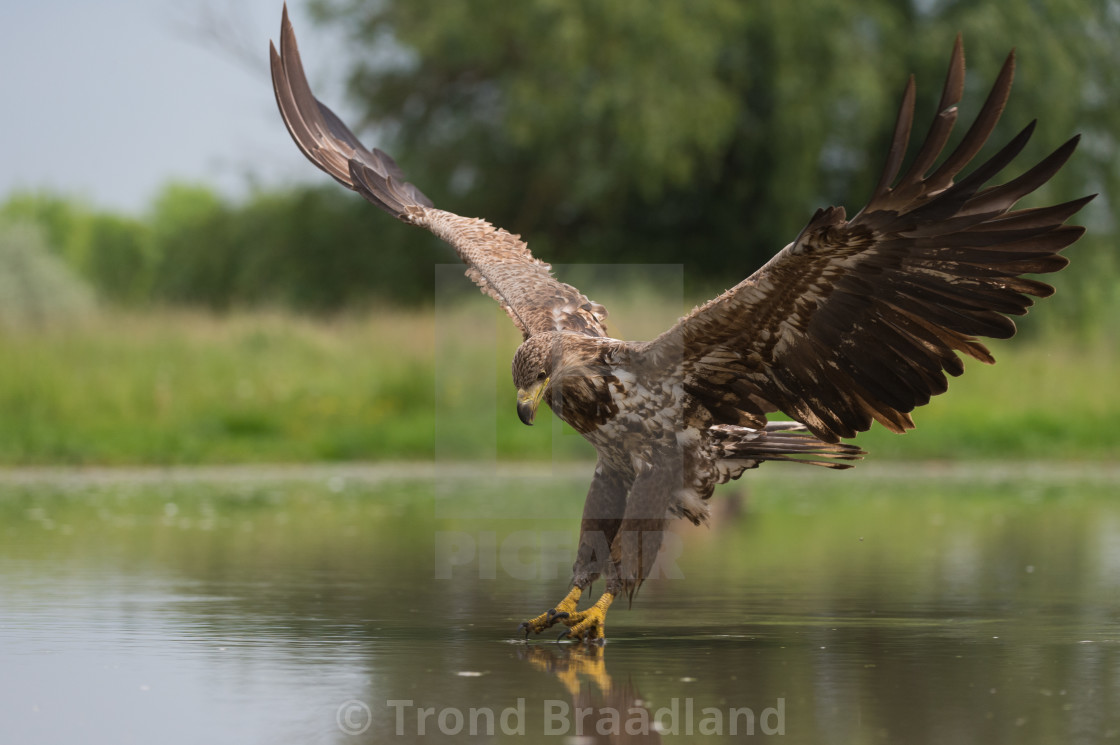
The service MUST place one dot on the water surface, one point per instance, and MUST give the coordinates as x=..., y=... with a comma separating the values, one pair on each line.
x=886, y=604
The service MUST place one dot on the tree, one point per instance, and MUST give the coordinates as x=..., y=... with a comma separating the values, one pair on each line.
x=36, y=286
x=703, y=131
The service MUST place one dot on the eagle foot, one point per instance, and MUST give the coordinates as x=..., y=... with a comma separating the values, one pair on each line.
x=563, y=609
x=588, y=625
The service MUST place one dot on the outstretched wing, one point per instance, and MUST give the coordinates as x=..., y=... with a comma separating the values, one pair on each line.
x=859, y=320
x=498, y=262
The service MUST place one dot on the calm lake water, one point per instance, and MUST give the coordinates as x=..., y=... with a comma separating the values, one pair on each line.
x=351, y=605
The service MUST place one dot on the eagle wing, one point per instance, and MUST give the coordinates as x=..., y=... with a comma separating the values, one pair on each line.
x=499, y=263
x=859, y=320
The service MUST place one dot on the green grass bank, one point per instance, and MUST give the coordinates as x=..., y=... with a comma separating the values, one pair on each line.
x=172, y=387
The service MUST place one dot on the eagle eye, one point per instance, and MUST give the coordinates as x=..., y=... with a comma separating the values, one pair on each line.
x=541, y=375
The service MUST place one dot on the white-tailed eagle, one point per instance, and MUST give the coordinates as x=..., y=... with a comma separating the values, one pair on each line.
x=857, y=320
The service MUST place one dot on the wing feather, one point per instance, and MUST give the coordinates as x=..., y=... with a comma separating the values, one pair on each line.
x=861, y=320
x=498, y=262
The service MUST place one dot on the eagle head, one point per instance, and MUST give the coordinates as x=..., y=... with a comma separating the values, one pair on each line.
x=534, y=366
x=564, y=366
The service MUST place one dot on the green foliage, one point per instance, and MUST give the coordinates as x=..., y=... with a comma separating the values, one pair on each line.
x=317, y=249
x=174, y=388
x=708, y=130
x=110, y=251
x=36, y=287
x=189, y=388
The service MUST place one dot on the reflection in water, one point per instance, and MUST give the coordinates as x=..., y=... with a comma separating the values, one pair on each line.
x=599, y=710
x=861, y=609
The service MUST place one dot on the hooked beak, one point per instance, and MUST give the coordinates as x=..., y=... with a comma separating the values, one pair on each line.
x=528, y=401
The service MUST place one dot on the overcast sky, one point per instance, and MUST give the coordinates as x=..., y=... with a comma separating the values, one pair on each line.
x=110, y=100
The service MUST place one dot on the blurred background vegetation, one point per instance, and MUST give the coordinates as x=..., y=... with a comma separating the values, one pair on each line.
x=695, y=132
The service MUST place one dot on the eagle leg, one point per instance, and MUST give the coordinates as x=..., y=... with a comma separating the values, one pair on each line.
x=563, y=609
x=602, y=515
x=588, y=625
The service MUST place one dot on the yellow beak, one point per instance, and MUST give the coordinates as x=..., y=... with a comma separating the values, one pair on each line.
x=528, y=401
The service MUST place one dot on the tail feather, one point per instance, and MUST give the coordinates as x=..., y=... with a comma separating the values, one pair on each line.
x=742, y=448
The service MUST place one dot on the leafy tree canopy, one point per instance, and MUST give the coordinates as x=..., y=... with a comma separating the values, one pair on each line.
x=704, y=131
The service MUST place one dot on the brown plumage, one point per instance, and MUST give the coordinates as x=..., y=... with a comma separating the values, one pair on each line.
x=855, y=321
x=498, y=262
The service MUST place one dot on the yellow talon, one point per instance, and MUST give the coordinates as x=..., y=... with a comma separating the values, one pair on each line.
x=590, y=624
x=564, y=609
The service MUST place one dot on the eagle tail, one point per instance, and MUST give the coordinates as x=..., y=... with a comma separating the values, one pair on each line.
x=743, y=448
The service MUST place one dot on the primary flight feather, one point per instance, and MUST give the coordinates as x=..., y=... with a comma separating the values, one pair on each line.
x=853, y=322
